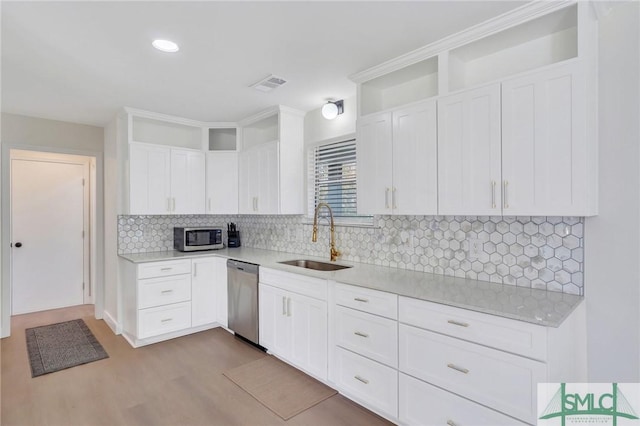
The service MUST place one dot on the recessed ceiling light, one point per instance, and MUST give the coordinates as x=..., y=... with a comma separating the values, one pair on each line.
x=165, y=46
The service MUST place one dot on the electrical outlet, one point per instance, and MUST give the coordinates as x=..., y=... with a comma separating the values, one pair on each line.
x=475, y=247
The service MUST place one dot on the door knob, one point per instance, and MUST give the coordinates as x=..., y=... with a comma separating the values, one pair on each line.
x=18, y=245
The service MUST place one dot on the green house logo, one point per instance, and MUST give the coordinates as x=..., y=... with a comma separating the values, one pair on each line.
x=588, y=405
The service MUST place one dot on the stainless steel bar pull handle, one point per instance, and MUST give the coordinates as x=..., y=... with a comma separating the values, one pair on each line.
x=284, y=305
x=360, y=299
x=504, y=194
x=361, y=379
x=386, y=198
x=461, y=324
x=460, y=369
x=166, y=320
x=288, y=306
x=393, y=198
x=166, y=291
x=493, y=194
x=209, y=204
x=195, y=269
x=166, y=269
x=174, y=204
x=361, y=334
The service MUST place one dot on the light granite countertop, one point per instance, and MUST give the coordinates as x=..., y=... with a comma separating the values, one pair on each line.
x=525, y=304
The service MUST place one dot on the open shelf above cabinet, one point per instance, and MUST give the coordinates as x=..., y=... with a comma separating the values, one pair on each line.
x=540, y=42
x=260, y=132
x=223, y=139
x=409, y=84
x=161, y=132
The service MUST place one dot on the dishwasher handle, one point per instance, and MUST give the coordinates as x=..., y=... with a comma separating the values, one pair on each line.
x=249, y=268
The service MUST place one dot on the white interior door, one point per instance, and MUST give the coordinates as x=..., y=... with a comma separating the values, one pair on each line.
x=48, y=217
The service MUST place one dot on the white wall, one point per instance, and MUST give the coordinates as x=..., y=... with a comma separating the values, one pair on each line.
x=317, y=128
x=612, y=239
x=39, y=134
x=23, y=130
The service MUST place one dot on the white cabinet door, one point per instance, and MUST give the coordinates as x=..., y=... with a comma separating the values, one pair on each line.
x=415, y=167
x=204, y=301
x=149, y=179
x=187, y=181
x=258, y=167
x=544, y=144
x=275, y=324
x=222, y=182
x=374, y=153
x=469, y=153
x=267, y=197
x=424, y=404
x=309, y=329
x=248, y=163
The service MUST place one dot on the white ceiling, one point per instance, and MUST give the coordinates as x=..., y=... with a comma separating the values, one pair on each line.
x=82, y=61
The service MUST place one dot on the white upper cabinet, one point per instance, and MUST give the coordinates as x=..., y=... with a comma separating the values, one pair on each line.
x=516, y=114
x=187, y=181
x=374, y=150
x=149, y=179
x=164, y=180
x=165, y=173
x=222, y=182
x=544, y=144
x=397, y=161
x=415, y=167
x=222, y=170
x=469, y=153
x=271, y=163
x=259, y=179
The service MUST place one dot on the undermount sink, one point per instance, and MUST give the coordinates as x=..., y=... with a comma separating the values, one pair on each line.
x=315, y=265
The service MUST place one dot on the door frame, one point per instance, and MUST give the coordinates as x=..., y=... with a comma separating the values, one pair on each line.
x=87, y=212
x=95, y=188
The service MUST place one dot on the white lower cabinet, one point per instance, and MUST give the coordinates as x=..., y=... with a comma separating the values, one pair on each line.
x=364, y=347
x=293, y=326
x=497, y=379
x=167, y=299
x=163, y=319
x=425, y=404
x=367, y=381
x=416, y=362
x=204, y=300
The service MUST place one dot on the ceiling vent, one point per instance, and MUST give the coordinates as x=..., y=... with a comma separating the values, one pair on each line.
x=269, y=83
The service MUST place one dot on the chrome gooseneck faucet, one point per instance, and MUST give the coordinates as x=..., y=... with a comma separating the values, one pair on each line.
x=314, y=238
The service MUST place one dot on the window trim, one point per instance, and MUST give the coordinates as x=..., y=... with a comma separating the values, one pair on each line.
x=364, y=221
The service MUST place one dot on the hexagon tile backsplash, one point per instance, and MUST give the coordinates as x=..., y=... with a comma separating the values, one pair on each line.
x=537, y=252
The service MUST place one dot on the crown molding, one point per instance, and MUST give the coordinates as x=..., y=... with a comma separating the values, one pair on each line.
x=519, y=15
x=163, y=117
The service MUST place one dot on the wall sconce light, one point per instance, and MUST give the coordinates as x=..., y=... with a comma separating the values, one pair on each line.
x=332, y=109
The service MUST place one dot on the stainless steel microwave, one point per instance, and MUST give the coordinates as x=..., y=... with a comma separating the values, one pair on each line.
x=194, y=239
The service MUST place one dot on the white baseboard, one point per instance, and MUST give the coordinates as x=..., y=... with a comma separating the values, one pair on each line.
x=112, y=323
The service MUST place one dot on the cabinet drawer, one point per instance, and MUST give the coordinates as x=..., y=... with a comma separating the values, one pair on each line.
x=164, y=269
x=163, y=291
x=163, y=319
x=502, y=333
x=500, y=380
x=367, y=300
x=424, y=404
x=369, y=335
x=368, y=381
x=301, y=284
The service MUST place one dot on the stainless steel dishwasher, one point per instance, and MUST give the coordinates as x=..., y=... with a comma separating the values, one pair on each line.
x=242, y=284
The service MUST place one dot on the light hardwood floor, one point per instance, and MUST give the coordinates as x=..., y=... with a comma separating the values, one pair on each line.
x=177, y=382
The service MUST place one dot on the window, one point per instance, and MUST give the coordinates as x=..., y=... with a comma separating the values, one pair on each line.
x=332, y=180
